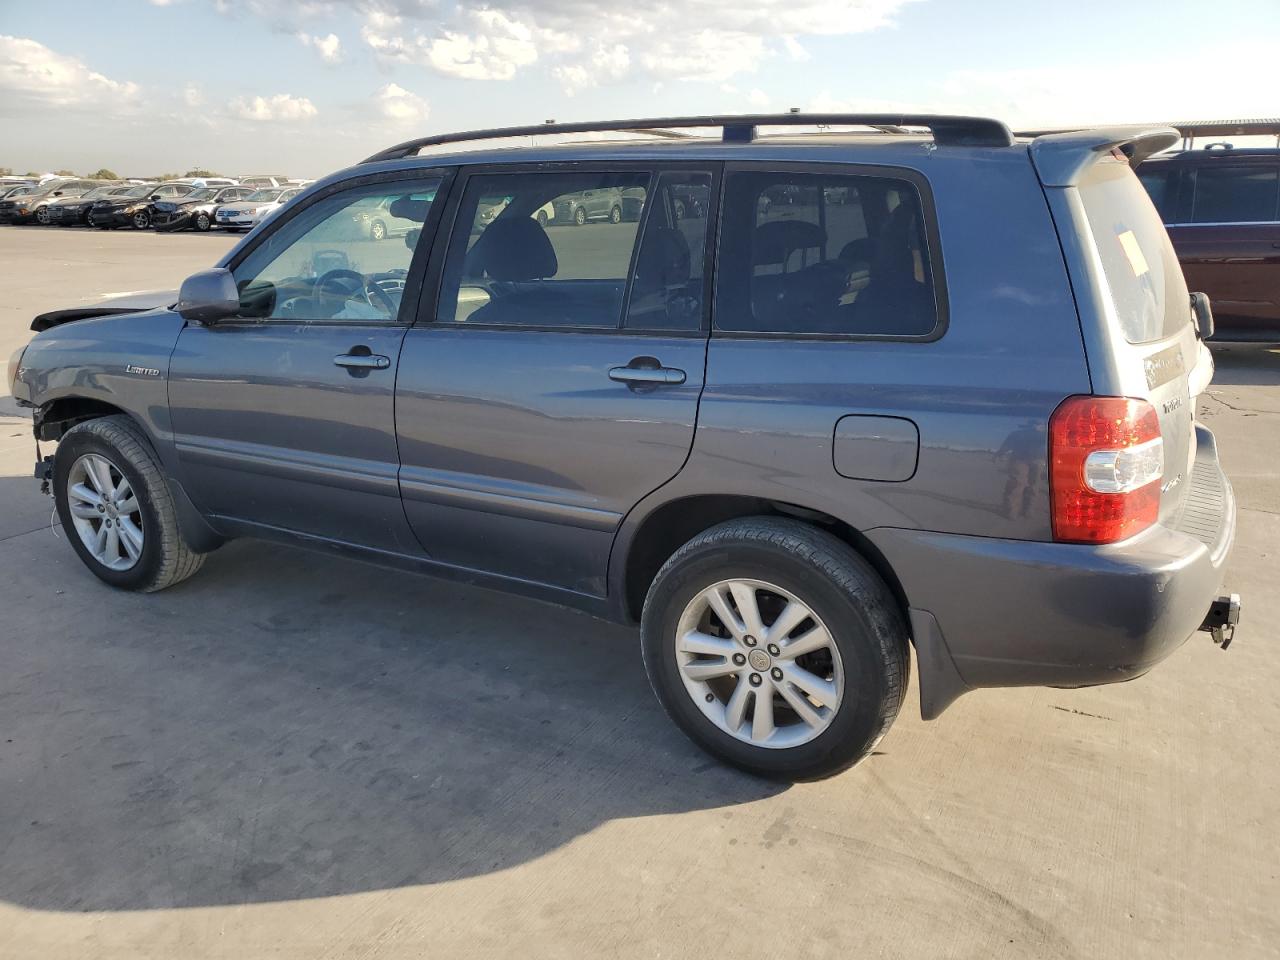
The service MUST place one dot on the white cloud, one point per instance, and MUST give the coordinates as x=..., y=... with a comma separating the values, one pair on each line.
x=280, y=107
x=329, y=48
x=33, y=77
x=702, y=40
x=400, y=106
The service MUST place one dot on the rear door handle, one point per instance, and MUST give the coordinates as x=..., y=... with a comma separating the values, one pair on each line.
x=362, y=361
x=646, y=375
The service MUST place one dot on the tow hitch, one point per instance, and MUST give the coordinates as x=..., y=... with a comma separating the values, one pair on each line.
x=1220, y=622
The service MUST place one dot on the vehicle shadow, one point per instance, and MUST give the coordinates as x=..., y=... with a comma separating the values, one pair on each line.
x=1245, y=365
x=289, y=725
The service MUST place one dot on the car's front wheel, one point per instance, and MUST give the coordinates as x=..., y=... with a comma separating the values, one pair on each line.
x=116, y=508
x=141, y=220
x=580, y=216
x=776, y=648
x=42, y=217
x=202, y=221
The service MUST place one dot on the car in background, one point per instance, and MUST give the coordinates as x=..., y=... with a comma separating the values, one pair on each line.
x=606, y=203
x=207, y=181
x=1221, y=207
x=74, y=211
x=135, y=210
x=31, y=207
x=253, y=209
x=261, y=182
x=8, y=190
x=195, y=210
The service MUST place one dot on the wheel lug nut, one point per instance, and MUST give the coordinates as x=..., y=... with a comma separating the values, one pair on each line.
x=101, y=508
x=756, y=680
x=710, y=697
x=776, y=673
x=749, y=640
x=773, y=650
x=739, y=659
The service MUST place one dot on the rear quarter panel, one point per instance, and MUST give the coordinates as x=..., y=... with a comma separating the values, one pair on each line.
x=981, y=393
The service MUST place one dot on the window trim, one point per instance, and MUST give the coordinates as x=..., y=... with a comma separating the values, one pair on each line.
x=433, y=285
x=410, y=300
x=1193, y=189
x=933, y=242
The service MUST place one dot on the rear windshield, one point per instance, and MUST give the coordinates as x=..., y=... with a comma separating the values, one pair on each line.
x=1139, y=266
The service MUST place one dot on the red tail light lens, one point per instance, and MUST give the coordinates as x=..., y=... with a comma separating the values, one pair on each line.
x=1106, y=460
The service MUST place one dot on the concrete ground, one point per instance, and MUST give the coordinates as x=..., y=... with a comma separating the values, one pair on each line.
x=295, y=756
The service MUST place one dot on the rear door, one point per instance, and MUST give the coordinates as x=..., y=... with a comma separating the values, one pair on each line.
x=1148, y=344
x=1230, y=246
x=554, y=381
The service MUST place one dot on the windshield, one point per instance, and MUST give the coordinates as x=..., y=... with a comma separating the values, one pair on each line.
x=260, y=196
x=204, y=193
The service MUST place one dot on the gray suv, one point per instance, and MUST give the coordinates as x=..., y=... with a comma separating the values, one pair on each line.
x=879, y=390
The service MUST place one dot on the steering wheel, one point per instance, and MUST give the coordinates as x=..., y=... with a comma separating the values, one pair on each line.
x=336, y=284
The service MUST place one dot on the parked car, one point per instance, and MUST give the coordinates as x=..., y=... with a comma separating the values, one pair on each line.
x=195, y=210
x=954, y=409
x=589, y=205
x=30, y=207
x=17, y=190
x=74, y=211
x=247, y=213
x=1221, y=207
x=135, y=209
x=259, y=182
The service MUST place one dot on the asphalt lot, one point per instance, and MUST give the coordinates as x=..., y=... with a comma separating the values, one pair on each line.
x=296, y=756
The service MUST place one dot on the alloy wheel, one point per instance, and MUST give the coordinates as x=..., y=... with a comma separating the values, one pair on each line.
x=105, y=511
x=759, y=663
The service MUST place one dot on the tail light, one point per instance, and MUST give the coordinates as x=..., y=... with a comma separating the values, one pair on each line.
x=1106, y=459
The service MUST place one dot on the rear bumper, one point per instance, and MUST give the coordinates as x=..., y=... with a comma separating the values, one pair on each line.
x=1000, y=613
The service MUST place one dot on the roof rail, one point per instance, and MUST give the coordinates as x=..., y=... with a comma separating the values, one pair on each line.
x=947, y=130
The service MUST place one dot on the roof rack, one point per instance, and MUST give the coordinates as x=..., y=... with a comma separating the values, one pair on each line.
x=947, y=130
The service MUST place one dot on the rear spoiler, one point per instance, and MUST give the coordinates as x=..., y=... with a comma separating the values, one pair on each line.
x=1061, y=158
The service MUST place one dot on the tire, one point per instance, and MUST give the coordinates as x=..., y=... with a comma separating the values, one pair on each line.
x=164, y=558
x=140, y=220
x=202, y=222
x=378, y=231
x=615, y=215
x=542, y=218
x=862, y=668
x=679, y=210
x=580, y=216
x=42, y=216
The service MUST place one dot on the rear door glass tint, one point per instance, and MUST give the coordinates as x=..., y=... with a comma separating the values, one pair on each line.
x=1236, y=194
x=824, y=253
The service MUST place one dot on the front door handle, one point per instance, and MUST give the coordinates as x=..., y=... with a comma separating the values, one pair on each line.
x=362, y=361
x=646, y=375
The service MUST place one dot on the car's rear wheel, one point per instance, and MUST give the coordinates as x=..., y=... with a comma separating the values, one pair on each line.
x=116, y=508
x=580, y=216
x=615, y=215
x=141, y=220
x=776, y=648
x=542, y=218
x=202, y=221
x=378, y=231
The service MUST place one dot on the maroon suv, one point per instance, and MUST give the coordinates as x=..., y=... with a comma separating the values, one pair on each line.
x=1222, y=209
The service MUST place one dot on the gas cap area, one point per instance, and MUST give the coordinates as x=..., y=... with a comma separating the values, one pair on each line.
x=867, y=447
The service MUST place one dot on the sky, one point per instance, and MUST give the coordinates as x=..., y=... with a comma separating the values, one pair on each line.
x=305, y=87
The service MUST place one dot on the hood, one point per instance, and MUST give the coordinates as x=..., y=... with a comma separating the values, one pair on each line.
x=133, y=302
x=244, y=206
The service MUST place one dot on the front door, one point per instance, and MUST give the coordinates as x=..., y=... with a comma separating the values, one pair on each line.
x=554, y=382
x=284, y=416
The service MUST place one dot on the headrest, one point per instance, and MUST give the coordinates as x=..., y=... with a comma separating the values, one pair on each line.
x=664, y=259
x=776, y=240
x=514, y=249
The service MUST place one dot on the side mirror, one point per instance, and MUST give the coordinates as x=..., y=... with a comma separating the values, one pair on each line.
x=1202, y=313
x=209, y=296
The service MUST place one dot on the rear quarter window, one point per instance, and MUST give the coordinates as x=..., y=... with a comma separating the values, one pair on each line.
x=1140, y=269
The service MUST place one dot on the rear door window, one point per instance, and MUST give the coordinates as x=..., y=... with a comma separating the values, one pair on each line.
x=543, y=249
x=1236, y=193
x=1143, y=278
x=832, y=254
